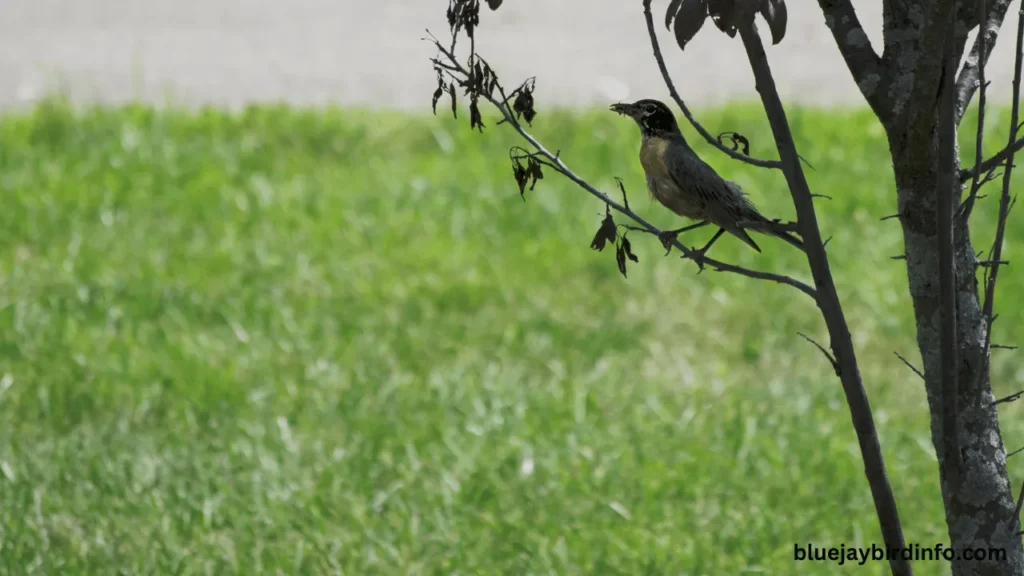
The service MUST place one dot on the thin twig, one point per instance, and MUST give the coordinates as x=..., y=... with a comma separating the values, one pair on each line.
x=828, y=355
x=1020, y=501
x=995, y=161
x=1010, y=398
x=988, y=35
x=979, y=139
x=909, y=365
x=686, y=110
x=625, y=200
x=1005, y=204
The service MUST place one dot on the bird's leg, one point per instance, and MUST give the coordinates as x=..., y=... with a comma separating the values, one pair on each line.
x=698, y=255
x=668, y=236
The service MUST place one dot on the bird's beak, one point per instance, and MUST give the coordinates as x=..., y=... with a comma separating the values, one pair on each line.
x=624, y=109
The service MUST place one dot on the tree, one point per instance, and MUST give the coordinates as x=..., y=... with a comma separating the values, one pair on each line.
x=915, y=91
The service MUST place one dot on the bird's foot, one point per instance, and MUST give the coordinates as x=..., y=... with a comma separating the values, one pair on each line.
x=697, y=255
x=667, y=237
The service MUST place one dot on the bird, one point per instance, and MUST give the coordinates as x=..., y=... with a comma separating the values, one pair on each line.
x=679, y=180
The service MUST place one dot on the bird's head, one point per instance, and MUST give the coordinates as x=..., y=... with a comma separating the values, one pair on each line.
x=653, y=117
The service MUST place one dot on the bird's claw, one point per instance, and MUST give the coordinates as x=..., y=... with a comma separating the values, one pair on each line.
x=667, y=237
x=698, y=258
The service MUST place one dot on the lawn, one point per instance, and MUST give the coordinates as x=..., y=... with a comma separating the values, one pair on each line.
x=338, y=342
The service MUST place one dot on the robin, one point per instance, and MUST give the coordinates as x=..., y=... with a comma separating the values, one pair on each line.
x=688, y=186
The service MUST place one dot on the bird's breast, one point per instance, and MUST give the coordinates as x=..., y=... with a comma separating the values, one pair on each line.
x=652, y=157
x=664, y=188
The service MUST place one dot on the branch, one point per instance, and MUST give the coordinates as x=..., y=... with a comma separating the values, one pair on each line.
x=947, y=265
x=909, y=365
x=1011, y=398
x=1005, y=202
x=855, y=47
x=828, y=356
x=995, y=161
x=979, y=141
x=1020, y=502
x=686, y=110
x=556, y=162
x=828, y=299
x=972, y=75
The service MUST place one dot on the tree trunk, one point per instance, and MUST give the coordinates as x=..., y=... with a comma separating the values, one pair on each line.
x=980, y=507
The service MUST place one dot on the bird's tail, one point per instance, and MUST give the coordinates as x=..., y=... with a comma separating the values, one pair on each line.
x=787, y=236
x=757, y=221
x=774, y=228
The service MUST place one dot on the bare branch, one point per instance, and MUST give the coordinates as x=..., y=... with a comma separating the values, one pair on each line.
x=909, y=365
x=947, y=265
x=1020, y=501
x=1005, y=201
x=979, y=142
x=1010, y=398
x=556, y=162
x=864, y=63
x=972, y=76
x=997, y=160
x=686, y=110
x=828, y=299
x=831, y=359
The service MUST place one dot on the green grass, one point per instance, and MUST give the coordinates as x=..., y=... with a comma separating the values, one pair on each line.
x=326, y=342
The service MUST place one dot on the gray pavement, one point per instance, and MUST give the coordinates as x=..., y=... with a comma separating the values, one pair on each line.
x=231, y=52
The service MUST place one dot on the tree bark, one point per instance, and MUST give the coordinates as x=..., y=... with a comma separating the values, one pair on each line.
x=980, y=508
x=976, y=489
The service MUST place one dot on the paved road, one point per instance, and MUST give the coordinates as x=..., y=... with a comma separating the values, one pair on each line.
x=229, y=52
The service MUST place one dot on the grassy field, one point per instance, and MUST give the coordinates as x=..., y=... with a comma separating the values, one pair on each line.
x=338, y=342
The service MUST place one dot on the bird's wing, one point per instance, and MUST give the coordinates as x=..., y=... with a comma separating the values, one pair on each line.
x=722, y=200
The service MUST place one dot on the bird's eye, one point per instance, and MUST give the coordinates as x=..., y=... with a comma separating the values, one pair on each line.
x=649, y=109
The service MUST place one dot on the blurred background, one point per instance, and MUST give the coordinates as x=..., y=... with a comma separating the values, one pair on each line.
x=231, y=52
x=261, y=312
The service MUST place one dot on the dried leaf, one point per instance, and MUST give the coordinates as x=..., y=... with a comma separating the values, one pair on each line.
x=723, y=12
x=451, y=14
x=455, y=110
x=437, y=96
x=494, y=4
x=606, y=233
x=670, y=14
x=523, y=104
x=620, y=259
x=689, y=20
x=774, y=12
x=475, y=119
x=628, y=249
x=533, y=171
x=468, y=15
x=478, y=77
x=521, y=176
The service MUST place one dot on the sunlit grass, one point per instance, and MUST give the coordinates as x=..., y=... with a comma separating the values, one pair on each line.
x=340, y=342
